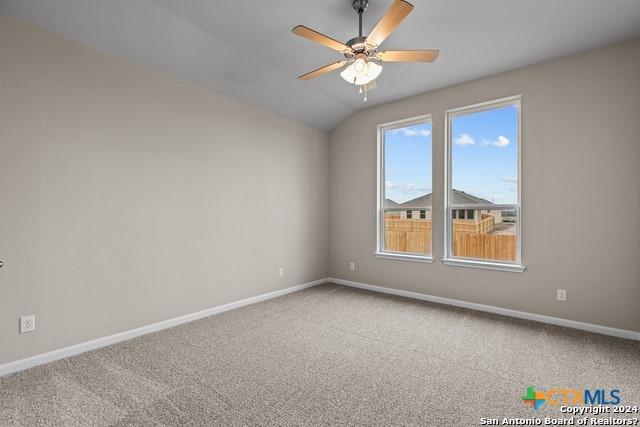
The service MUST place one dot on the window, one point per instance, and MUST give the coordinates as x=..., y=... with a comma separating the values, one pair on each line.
x=483, y=185
x=404, y=189
x=462, y=214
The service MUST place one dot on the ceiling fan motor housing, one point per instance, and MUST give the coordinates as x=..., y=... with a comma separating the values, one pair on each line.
x=357, y=44
x=360, y=5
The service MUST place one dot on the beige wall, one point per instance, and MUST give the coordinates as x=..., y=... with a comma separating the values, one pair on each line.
x=581, y=156
x=129, y=197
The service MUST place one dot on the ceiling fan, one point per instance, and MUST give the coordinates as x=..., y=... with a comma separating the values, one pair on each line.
x=361, y=53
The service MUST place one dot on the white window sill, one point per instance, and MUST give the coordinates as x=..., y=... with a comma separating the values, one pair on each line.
x=403, y=257
x=515, y=268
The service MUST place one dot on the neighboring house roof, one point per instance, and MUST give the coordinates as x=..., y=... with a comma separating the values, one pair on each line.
x=418, y=201
x=459, y=198
x=388, y=203
x=462, y=198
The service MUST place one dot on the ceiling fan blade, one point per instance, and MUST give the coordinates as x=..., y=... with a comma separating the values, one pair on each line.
x=317, y=37
x=322, y=70
x=391, y=19
x=408, y=55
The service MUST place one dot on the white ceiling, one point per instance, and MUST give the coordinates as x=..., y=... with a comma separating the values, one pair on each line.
x=244, y=48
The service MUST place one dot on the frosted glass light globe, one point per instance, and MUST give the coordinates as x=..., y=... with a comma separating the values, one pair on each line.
x=361, y=72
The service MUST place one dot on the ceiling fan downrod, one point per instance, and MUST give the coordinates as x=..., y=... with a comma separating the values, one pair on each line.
x=359, y=6
x=357, y=44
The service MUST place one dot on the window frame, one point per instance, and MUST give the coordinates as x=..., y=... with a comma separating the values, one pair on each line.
x=380, y=190
x=512, y=266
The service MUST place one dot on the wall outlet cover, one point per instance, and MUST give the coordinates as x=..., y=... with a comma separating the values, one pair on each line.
x=352, y=266
x=27, y=324
x=561, y=295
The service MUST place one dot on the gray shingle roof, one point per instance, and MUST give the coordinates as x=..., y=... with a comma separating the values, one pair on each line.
x=388, y=203
x=462, y=198
x=459, y=198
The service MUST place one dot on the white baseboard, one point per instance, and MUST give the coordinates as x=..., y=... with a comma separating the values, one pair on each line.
x=606, y=330
x=54, y=355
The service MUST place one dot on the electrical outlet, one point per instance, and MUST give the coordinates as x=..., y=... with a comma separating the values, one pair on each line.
x=281, y=272
x=27, y=324
x=561, y=295
x=352, y=266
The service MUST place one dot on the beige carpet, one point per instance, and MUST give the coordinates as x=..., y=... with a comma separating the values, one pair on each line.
x=329, y=355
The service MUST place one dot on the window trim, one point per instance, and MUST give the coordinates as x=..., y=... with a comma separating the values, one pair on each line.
x=448, y=258
x=380, y=171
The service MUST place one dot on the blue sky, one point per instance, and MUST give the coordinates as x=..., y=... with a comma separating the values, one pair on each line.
x=483, y=152
x=408, y=162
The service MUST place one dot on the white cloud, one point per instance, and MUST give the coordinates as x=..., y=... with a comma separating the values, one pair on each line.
x=412, y=132
x=464, y=139
x=501, y=142
x=512, y=182
x=406, y=188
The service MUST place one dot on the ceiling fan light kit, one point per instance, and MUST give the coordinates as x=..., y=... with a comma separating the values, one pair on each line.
x=361, y=72
x=361, y=53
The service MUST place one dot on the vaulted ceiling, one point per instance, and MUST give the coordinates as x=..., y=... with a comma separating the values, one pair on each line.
x=244, y=48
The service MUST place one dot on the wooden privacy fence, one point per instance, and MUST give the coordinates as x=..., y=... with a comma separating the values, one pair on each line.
x=485, y=226
x=488, y=246
x=414, y=236
x=408, y=235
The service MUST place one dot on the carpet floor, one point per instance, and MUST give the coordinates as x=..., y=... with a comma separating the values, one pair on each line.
x=328, y=355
